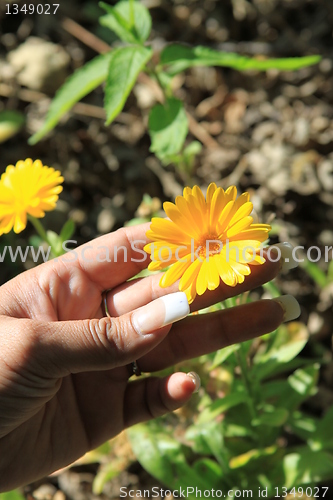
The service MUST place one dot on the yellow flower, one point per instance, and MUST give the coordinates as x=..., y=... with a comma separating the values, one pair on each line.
x=29, y=188
x=206, y=240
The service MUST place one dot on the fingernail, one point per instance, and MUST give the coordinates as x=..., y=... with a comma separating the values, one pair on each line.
x=161, y=312
x=286, y=253
x=195, y=379
x=290, y=307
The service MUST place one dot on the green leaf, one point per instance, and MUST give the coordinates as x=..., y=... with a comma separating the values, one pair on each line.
x=221, y=405
x=330, y=272
x=192, y=150
x=318, y=276
x=223, y=354
x=107, y=472
x=168, y=127
x=210, y=470
x=289, y=394
x=306, y=428
x=120, y=20
x=155, y=450
x=67, y=230
x=322, y=438
x=207, y=439
x=272, y=416
x=252, y=456
x=163, y=457
x=180, y=57
x=10, y=123
x=302, y=384
x=307, y=467
x=35, y=240
x=285, y=351
x=272, y=289
x=78, y=85
x=125, y=65
x=12, y=495
x=289, y=341
x=54, y=240
x=234, y=430
x=272, y=368
x=304, y=380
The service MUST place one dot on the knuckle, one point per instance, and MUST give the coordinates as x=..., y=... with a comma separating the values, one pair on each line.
x=108, y=334
x=178, y=346
x=155, y=400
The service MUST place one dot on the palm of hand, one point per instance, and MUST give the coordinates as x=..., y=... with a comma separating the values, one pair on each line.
x=68, y=415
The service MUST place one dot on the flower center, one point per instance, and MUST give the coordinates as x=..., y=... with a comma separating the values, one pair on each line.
x=209, y=244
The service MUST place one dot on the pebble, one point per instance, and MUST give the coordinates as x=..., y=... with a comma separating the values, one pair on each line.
x=45, y=492
x=105, y=221
x=40, y=65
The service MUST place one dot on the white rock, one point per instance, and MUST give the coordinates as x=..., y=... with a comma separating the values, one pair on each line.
x=40, y=65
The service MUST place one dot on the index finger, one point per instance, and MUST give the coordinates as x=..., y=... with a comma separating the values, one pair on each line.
x=138, y=292
x=205, y=333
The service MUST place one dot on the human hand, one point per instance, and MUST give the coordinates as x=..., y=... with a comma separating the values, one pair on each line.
x=65, y=368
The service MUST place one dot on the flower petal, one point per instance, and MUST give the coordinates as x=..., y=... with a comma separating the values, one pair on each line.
x=226, y=272
x=216, y=207
x=190, y=275
x=175, y=272
x=202, y=279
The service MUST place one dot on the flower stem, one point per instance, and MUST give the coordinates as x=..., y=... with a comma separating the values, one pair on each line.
x=39, y=228
x=241, y=356
x=154, y=73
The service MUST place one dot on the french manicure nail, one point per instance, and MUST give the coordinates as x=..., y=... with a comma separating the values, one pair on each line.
x=290, y=306
x=286, y=253
x=161, y=312
x=195, y=379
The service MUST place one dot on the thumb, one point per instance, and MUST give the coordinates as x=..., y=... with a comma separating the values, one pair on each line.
x=97, y=344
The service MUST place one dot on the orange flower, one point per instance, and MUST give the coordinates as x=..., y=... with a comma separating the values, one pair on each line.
x=29, y=188
x=206, y=240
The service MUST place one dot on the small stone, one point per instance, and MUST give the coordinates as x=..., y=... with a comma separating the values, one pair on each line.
x=78, y=216
x=144, y=95
x=326, y=237
x=301, y=131
x=45, y=492
x=264, y=130
x=40, y=65
x=315, y=323
x=59, y=495
x=325, y=65
x=320, y=123
x=325, y=174
x=105, y=221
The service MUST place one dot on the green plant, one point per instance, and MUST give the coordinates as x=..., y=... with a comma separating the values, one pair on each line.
x=254, y=438
x=321, y=278
x=120, y=67
x=12, y=495
x=10, y=124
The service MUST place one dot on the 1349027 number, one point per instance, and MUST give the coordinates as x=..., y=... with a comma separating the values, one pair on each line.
x=30, y=8
x=300, y=492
